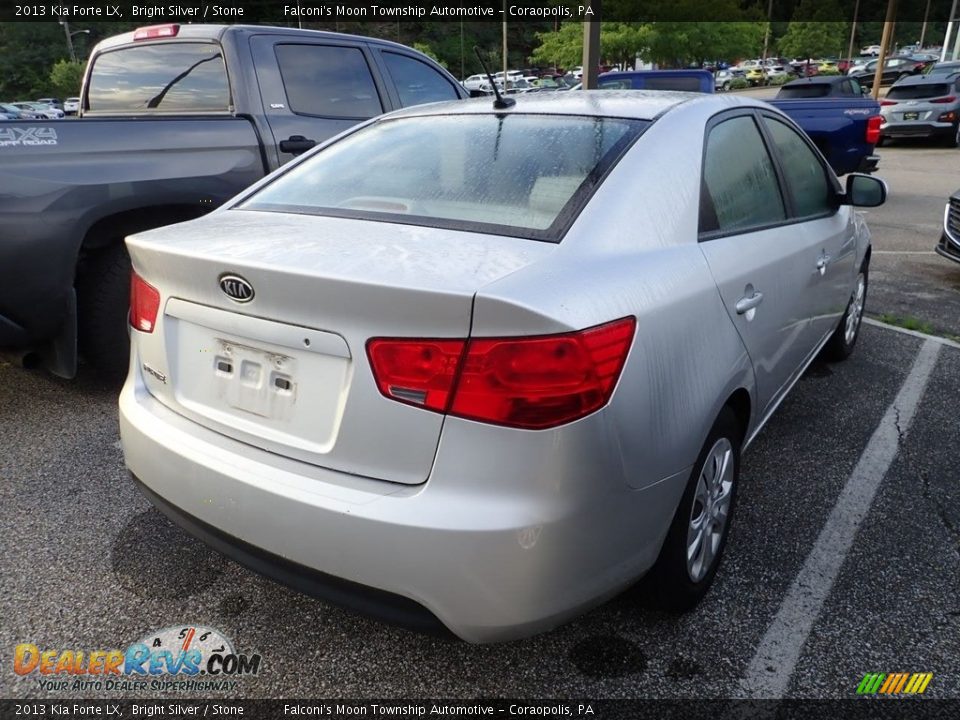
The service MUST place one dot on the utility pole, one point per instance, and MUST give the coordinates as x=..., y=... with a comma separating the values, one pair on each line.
x=853, y=28
x=66, y=31
x=884, y=45
x=923, y=28
x=946, y=40
x=591, y=47
x=766, y=35
x=505, y=62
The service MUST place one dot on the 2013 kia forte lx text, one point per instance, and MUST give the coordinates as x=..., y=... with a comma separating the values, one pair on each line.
x=487, y=366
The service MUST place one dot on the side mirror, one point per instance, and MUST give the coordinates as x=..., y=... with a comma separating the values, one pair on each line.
x=865, y=191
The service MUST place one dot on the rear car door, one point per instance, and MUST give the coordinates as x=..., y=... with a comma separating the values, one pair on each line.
x=761, y=268
x=312, y=91
x=819, y=222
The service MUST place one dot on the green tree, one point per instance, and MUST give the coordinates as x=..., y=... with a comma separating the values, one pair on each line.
x=682, y=43
x=66, y=78
x=562, y=47
x=815, y=31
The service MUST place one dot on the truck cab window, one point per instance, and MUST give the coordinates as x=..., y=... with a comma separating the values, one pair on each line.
x=168, y=77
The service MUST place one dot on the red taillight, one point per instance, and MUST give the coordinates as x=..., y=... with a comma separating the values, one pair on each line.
x=945, y=100
x=947, y=117
x=873, y=129
x=156, y=31
x=888, y=102
x=525, y=382
x=144, y=304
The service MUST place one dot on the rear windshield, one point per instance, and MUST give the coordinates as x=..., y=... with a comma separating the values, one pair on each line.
x=944, y=69
x=165, y=77
x=917, y=92
x=804, y=91
x=521, y=175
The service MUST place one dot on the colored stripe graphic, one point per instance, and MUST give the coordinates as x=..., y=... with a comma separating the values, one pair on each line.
x=894, y=683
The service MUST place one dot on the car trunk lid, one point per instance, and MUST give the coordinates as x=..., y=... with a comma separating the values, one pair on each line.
x=286, y=370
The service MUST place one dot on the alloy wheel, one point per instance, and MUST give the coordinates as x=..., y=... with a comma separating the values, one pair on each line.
x=710, y=510
x=855, y=312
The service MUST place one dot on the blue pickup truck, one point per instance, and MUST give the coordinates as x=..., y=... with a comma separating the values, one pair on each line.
x=840, y=120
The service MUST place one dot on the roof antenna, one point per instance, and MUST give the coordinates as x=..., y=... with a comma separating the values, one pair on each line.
x=500, y=103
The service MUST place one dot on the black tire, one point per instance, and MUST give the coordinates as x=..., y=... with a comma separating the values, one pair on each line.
x=840, y=346
x=953, y=140
x=103, y=304
x=726, y=86
x=671, y=580
x=882, y=141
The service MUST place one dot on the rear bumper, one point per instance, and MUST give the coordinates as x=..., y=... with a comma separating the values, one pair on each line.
x=869, y=164
x=916, y=129
x=490, y=566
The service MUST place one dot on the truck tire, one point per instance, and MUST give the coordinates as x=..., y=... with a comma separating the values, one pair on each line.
x=103, y=300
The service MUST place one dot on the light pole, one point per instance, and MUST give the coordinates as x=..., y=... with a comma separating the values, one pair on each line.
x=66, y=31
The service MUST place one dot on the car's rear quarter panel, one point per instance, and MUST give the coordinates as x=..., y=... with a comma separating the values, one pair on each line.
x=634, y=251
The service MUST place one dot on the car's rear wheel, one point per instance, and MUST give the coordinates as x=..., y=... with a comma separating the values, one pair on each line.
x=841, y=343
x=103, y=298
x=726, y=86
x=691, y=553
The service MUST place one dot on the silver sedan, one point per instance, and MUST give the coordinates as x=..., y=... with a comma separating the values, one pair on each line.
x=482, y=367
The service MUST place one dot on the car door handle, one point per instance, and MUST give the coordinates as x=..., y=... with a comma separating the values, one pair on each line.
x=296, y=144
x=822, y=263
x=748, y=303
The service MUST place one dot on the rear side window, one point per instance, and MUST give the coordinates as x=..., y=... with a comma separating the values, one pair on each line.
x=918, y=92
x=740, y=189
x=165, y=77
x=805, y=175
x=328, y=81
x=417, y=82
x=519, y=175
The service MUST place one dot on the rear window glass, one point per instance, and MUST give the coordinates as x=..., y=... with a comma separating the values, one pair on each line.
x=944, y=69
x=522, y=175
x=166, y=77
x=917, y=92
x=804, y=91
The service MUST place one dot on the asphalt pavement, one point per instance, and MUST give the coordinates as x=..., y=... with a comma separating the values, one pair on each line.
x=89, y=564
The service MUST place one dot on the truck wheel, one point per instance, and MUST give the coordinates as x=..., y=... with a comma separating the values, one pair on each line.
x=103, y=300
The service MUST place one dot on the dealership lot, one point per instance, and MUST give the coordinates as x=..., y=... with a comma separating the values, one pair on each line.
x=91, y=566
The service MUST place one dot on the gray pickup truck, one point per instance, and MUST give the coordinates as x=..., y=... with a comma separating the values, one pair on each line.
x=174, y=120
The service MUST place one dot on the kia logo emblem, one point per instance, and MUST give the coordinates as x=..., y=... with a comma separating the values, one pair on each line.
x=236, y=288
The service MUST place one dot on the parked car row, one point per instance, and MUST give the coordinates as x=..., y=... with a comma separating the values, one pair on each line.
x=24, y=110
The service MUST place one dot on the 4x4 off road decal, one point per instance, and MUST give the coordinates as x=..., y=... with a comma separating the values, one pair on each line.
x=27, y=136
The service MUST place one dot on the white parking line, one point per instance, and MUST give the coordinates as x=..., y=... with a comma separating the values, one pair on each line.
x=771, y=668
x=915, y=333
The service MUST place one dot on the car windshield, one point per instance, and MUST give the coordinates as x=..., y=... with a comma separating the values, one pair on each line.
x=918, y=92
x=813, y=90
x=520, y=175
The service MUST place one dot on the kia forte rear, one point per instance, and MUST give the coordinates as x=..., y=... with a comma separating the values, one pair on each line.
x=481, y=369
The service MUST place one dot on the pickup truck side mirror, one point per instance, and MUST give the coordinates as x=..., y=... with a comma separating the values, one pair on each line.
x=865, y=191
